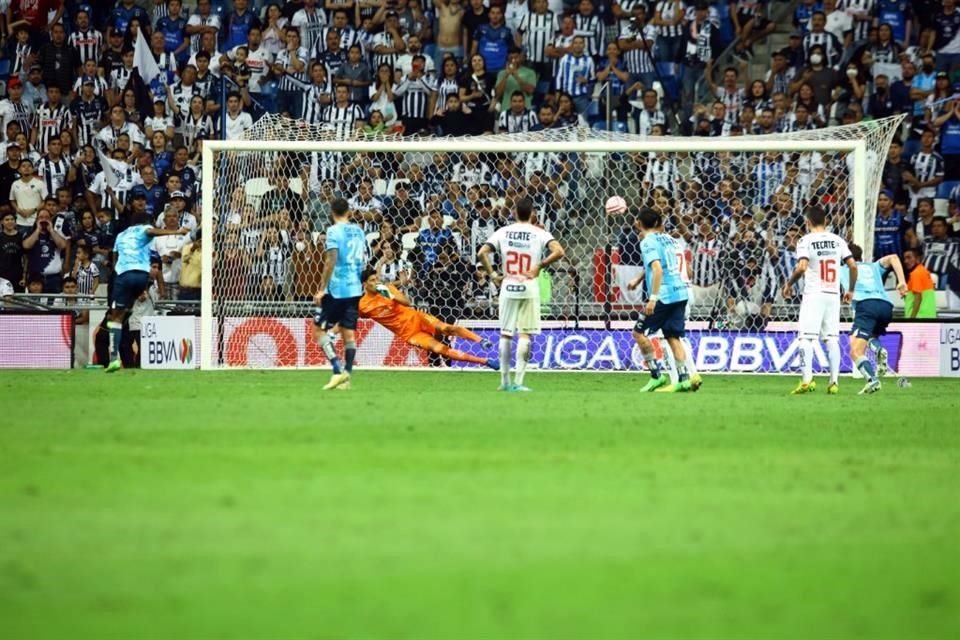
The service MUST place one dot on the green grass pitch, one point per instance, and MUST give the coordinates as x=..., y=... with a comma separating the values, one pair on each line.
x=426, y=505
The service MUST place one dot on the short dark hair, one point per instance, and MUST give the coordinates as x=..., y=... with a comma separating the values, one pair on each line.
x=856, y=251
x=524, y=209
x=816, y=215
x=138, y=218
x=68, y=279
x=339, y=207
x=367, y=272
x=916, y=251
x=649, y=219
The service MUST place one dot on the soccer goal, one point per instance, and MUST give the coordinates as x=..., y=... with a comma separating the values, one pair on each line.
x=427, y=205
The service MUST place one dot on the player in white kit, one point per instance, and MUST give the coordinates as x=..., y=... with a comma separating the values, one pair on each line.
x=521, y=247
x=820, y=255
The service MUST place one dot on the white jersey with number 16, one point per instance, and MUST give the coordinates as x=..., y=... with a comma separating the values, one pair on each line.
x=521, y=247
x=826, y=253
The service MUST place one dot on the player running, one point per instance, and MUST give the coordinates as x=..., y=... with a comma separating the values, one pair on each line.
x=389, y=307
x=873, y=310
x=666, y=278
x=820, y=254
x=132, y=249
x=521, y=247
x=344, y=260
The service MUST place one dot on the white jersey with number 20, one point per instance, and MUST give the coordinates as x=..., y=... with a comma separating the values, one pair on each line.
x=825, y=252
x=521, y=247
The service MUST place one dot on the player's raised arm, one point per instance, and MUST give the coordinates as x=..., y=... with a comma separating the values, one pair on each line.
x=892, y=261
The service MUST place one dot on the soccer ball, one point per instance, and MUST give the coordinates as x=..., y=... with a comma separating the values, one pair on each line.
x=615, y=205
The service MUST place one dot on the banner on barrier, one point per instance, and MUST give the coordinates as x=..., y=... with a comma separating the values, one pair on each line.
x=36, y=340
x=169, y=342
x=915, y=349
x=950, y=350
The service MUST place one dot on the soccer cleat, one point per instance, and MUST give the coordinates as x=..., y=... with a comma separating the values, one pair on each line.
x=871, y=387
x=833, y=389
x=883, y=362
x=520, y=387
x=680, y=387
x=655, y=383
x=336, y=380
x=486, y=344
x=344, y=387
x=696, y=382
x=505, y=387
x=493, y=363
x=803, y=387
x=114, y=365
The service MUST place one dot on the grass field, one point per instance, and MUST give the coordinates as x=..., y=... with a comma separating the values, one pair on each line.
x=427, y=505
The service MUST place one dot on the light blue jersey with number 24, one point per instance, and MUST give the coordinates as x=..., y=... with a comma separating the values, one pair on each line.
x=351, y=245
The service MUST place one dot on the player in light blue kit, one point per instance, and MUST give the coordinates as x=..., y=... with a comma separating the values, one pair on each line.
x=344, y=261
x=666, y=277
x=132, y=249
x=873, y=311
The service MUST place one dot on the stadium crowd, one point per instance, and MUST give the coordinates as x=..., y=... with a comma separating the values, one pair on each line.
x=87, y=140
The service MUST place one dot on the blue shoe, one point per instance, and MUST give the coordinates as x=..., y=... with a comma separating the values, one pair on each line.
x=505, y=387
x=493, y=363
x=520, y=387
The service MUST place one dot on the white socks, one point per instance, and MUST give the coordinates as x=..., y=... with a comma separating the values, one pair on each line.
x=505, y=349
x=833, y=355
x=806, y=352
x=688, y=350
x=523, y=357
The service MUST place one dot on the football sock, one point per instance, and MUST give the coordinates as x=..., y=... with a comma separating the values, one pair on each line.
x=670, y=364
x=460, y=332
x=455, y=354
x=116, y=333
x=523, y=357
x=505, y=346
x=326, y=343
x=350, y=353
x=833, y=355
x=682, y=372
x=874, y=343
x=653, y=365
x=866, y=368
x=806, y=354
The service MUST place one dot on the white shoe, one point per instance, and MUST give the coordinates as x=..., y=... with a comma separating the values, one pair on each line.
x=336, y=380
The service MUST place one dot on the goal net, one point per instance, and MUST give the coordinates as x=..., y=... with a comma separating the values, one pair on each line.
x=428, y=204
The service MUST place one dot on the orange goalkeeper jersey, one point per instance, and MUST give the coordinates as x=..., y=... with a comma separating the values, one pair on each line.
x=402, y=320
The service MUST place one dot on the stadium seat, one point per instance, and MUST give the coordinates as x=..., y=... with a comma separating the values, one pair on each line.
x=943, y=191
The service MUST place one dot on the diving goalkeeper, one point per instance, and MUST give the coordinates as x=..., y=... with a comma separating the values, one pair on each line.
x=389, y=307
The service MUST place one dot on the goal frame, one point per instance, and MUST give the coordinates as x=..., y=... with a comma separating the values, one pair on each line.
x=472, y=145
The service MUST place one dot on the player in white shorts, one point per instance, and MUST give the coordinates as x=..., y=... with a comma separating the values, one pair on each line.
x=521, y=247
x=820, y=255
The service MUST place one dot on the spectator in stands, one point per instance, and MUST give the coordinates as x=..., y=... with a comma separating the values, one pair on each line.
x=403, y=212
x=947, y=37
x=26, y=196
x=920, y=301
x=191, y=269
x=831, y=47
x=925, y=172
x=516, y=77
x=477, y=97
x=430, y=239
x=940, y=251
x=947, y=125
x=12, y=256
x=576, y=73
x=43, y=247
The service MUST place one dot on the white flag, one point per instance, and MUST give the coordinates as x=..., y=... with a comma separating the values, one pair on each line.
x=143, y=60
x=109, y=170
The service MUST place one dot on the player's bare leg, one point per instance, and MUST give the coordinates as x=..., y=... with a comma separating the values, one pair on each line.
x=858, y=355
x=657, y=380
x=429, y=343
x=523, y=357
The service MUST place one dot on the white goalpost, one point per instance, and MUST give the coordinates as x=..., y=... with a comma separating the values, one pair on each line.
x=428, y=203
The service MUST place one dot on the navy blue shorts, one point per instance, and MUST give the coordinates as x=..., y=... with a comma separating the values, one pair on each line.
x=870, y=318
x=127, y=287
x=337, y=311
x=669, y=318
